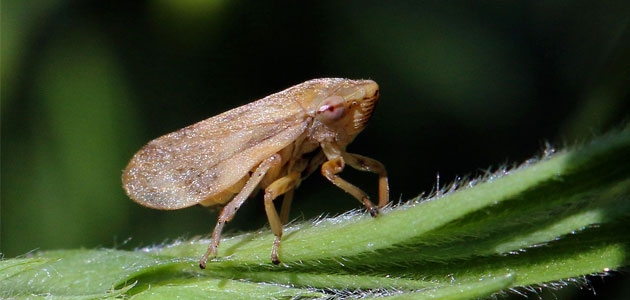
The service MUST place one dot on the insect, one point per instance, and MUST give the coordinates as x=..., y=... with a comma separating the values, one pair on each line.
x=272, y=143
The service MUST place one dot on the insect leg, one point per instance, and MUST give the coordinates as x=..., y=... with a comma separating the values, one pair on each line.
x=363, y=163
x=336, y=165
x=228, y=212
x=286, y=206
x=313, y=165
x=274, y=190
x=297, y=169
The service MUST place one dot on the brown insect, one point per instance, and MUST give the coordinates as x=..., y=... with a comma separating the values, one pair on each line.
x=272, y=143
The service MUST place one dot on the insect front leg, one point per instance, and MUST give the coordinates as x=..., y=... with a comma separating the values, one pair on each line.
x=228, y=212
x=277, y=188
x=367, y=164
x=331, y=168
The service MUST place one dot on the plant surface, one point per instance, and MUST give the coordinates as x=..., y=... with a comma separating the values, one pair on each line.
x=549, y=221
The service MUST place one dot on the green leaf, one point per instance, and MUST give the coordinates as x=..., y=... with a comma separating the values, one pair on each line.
x=473, y=290
x=552, y=219
x=9, y=268
x=70, y=273
x=209, y=288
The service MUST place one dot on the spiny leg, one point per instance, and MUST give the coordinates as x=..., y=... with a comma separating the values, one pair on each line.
x=228, y=212
x=277, y=188
x=367, y=164
x=336, y=165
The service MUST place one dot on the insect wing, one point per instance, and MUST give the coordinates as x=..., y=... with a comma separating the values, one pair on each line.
x=187, y=166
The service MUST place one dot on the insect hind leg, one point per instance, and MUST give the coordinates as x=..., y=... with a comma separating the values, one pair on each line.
x=228, y=212
x=277, y=188
x=286, y=206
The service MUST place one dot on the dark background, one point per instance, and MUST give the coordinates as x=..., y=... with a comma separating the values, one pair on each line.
x=466, y=86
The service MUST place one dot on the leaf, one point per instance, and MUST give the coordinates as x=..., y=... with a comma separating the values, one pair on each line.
x=9, y=268
x=209, y=288
x=551, y=220
x=472, y=290
x=78, y=273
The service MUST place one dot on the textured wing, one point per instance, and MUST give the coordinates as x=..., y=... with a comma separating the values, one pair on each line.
x=185, y=167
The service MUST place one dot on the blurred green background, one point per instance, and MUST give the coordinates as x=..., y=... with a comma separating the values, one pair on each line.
x=465, y=85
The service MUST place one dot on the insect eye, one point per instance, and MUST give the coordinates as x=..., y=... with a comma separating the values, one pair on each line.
x=332, y=108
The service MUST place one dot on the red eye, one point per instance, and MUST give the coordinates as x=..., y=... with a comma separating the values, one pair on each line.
x=332, y=108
